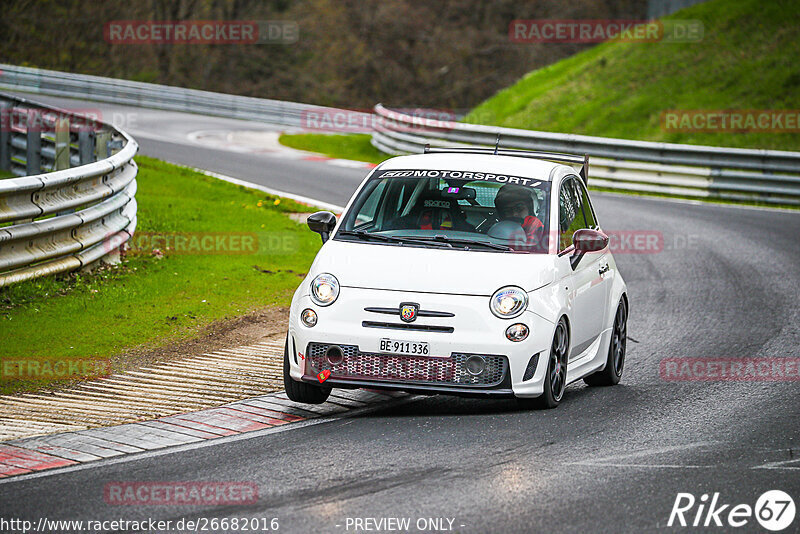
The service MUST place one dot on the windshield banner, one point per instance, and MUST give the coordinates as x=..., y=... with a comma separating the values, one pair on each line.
x=459, y=175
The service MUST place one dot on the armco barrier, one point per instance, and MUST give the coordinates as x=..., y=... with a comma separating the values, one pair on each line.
x=769, y=176
x=73, y=203
x=153, y=96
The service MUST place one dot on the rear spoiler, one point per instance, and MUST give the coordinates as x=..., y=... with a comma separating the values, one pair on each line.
x=570, y=159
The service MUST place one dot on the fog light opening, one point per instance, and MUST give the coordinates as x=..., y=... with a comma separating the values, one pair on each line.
x=309, y=317
x=517, y=332
x=475, y=365
x=334, y=355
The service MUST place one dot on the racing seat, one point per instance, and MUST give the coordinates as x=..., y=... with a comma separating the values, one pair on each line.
x=434, y=212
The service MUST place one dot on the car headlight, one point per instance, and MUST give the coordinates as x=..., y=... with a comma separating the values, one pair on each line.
x=324, y=289
x=508, y=302
x=309, y=317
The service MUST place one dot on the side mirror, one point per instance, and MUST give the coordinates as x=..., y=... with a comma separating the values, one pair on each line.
x=323, y=223
x=586, y=240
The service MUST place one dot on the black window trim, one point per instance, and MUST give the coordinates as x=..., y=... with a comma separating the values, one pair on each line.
x=585, y=189
x=564, y=180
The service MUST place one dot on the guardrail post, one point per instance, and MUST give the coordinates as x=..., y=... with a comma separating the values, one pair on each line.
x=62, y=144
x=5, y=135
x=85, y=146
x=62, y=150
x=33, y=152
x=101, y=144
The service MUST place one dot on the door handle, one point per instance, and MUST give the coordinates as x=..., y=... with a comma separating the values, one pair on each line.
x=604, y=269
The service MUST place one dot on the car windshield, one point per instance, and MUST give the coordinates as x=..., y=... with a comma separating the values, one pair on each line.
x=451, y=209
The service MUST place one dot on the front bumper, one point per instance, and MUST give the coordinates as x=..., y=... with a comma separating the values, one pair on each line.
x=475, y=331
x=411, y=373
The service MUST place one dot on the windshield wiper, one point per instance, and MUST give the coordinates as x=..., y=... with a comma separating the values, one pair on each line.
x=460, y=241
x=363, y=234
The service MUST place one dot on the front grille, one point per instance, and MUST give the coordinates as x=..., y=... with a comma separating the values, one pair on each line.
x=407, y=326
x=412, y=369
x=420, y=313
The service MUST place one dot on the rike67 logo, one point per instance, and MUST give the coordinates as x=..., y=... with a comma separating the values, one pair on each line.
x=774, y=510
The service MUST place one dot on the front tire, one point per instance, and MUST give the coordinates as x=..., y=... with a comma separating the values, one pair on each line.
x=555, y=380
x=615, y=361
x=300, y=391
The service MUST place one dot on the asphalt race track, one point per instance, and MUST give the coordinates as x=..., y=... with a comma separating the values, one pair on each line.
x=725, y=284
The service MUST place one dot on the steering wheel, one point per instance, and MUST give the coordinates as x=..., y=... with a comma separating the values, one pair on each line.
x=490, y=220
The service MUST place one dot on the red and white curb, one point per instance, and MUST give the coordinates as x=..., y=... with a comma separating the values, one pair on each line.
x=25, y=456
x=349, y=163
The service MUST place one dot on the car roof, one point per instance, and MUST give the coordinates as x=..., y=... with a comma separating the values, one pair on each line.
x=497, y=164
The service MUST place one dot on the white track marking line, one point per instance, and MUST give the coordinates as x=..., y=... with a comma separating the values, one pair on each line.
x=339, y=209
x=780, y=465
x=647, y=466
x=299, y=198
x=611, y=461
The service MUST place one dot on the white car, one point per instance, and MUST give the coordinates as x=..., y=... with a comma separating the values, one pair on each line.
x=473, y=272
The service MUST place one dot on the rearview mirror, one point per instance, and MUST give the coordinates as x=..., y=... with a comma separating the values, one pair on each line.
x=587, y=240
x=323, y=223
x=460, y=193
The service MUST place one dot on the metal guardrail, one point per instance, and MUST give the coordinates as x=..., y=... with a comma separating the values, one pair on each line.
x=153, y=96
x=769, y=176
x=74, y=202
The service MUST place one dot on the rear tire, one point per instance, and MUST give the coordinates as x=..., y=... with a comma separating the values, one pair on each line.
x=300, y=391
x=615, y=361
x=556, y=377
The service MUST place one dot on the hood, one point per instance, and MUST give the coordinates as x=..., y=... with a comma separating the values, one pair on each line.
x=377, y=266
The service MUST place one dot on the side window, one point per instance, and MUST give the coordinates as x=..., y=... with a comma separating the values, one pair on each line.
x=580, y=218
x=566, y=214
x=367, y=211
x=575, y=212
x=588, y=213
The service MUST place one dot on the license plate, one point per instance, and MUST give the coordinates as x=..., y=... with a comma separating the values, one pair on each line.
x=408, y=348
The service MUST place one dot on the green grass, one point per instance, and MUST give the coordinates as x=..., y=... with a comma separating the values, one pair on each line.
x=350, y=146
x=746, y=60
x=150, y=301
x=5, y=174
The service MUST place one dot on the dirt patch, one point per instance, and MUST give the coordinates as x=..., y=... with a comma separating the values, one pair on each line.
x=264, y=324
x=260, y=325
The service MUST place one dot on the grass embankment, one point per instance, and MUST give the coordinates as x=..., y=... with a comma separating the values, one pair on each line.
x=156, y=297
x=746, y=60
x=349, y=146
x=5, y=174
